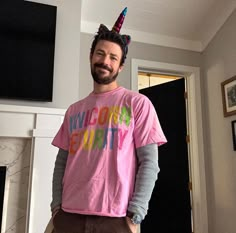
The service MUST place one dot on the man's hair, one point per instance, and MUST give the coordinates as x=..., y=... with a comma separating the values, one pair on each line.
x=112, y=37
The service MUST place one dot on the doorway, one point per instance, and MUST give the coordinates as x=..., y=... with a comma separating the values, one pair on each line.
x=194, y=118
x=170, y=204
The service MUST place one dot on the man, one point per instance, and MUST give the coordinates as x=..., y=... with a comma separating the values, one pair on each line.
x=107, y=162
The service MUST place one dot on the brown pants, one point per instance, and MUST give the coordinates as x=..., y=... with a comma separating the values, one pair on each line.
x=76, y=223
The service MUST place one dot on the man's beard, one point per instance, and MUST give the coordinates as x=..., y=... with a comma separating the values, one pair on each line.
x=99, y=78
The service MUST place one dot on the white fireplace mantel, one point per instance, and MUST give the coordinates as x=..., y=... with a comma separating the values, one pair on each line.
x=24, y=121
x=40, y=125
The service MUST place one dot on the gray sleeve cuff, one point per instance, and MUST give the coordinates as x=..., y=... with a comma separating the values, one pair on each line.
x=58, y=174
x=145, y=179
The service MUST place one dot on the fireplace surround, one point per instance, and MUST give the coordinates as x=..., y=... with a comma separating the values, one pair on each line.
x=28, y=157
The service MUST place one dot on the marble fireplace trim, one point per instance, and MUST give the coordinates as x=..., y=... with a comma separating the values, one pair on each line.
x=40, y=125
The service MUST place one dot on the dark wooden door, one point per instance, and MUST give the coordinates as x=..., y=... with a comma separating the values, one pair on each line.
x=170, y=205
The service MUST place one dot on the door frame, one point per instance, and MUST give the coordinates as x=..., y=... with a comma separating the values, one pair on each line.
x=194, y=122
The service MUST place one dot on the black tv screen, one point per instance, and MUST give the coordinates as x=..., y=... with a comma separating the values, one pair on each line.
x=27, y=44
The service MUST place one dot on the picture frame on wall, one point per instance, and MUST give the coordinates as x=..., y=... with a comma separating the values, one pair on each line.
x=233, y=123
x=228, y=89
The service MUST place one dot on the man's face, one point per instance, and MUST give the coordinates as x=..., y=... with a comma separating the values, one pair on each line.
x=105, y=62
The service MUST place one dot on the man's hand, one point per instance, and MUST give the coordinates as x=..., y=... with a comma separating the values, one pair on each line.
x=132, y=227
x=55, y=210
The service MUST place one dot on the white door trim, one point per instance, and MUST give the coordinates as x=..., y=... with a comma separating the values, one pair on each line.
x=194, y=115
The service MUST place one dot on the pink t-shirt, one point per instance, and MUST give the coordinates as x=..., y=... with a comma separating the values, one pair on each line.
x=101, y=133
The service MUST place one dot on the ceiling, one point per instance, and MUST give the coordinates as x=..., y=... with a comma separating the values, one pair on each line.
x=185, y=24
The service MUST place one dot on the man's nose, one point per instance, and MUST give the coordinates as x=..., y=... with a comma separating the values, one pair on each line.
x=106, y=60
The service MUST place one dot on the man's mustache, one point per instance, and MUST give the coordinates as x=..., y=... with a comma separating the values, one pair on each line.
x=101, y=65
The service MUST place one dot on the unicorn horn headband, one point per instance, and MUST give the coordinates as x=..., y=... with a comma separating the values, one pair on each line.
x=117, y=26
x=119, y=22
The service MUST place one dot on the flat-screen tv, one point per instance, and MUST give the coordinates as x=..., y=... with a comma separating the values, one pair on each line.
x=27, y=44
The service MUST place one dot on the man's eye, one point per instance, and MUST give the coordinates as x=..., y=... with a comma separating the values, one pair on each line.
x=99, y=53
x=114, y=58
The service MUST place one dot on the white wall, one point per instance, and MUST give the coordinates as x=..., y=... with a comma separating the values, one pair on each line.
x=66, y=63
x=219, y=60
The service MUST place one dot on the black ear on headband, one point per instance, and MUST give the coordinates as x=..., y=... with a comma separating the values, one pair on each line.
x=126, y=39
x=102, y=29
